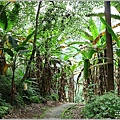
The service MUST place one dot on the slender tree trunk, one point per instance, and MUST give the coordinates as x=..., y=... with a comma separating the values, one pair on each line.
x=71, y=89
x=118, y=78
x=13, y=83
x=2, y=59
x=101, y=76
x=110, y=67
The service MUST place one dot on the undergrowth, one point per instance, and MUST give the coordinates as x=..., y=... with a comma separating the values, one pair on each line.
x=105, y=106
x=4, y=107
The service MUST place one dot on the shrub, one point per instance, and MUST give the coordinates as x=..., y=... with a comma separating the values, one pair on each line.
x=4, y=107
x=53, y=96
x=35, y=99
x=105, y=106
x=5, y=87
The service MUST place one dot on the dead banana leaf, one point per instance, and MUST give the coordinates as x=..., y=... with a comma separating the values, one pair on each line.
x=6, y=66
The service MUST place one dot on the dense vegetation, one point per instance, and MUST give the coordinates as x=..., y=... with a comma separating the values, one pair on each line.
x=105, y=106
x=45, y=44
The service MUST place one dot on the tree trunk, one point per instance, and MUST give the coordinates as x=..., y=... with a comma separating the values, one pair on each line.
x=101, y=76
x=110, y=76
x=118, y=78
x=62, y=83
x=2, y=59
x=46, y=80
x=71, y=89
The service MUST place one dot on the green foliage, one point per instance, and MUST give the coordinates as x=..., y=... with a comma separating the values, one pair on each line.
x=7, y=19
x=27, y=38
x=3, y=19
x=4, y=107
x=54, y=97
x=54, y=20
x=105, y=106
x=89, y=53
x=35, y=99
x=31, y=95
x=5, y=87
x=93, y=28
x=18, y=100
x=118, y=52
x=13, y=42
x=102, y=15
x=13, y=15
x=116, y=4
x=111, y=31
x=8, y=51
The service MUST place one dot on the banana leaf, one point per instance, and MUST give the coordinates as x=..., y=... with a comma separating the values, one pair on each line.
x=111, y=31
x=93, y=28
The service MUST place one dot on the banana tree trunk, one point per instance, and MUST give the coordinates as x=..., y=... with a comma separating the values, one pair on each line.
x=2, y=59
x=110, y=76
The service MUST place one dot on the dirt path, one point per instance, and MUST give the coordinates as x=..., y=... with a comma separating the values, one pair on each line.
x=50, y=110
x=55, y=112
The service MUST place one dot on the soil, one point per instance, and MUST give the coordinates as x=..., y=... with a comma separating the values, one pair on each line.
x=51, y=109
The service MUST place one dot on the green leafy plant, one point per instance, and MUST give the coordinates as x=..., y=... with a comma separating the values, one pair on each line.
x=5, y=87
x=105, y=106
x=35, y=99
x=53, y=97
x=4, y=107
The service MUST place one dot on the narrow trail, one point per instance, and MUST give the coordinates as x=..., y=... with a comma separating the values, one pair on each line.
x=56, y=111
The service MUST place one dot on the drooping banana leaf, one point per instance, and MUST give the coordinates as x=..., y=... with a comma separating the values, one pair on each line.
x=86, y=35
x=3, y=19
x=102, y=15
x=111, y=31
x=79, y=43
x=75, y=48
x=103, y=33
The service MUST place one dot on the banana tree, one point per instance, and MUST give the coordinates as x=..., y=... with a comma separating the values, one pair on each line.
x=6, y=23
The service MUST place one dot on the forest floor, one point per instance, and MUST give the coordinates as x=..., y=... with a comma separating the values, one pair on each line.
x=50, y=110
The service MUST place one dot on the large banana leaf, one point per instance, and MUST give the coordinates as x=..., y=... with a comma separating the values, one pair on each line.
x=111, y=31
x=3, y=19
x=103, y=33
x=13, y=42
x=86, y=35
x=89, y=53
x=93, y=28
